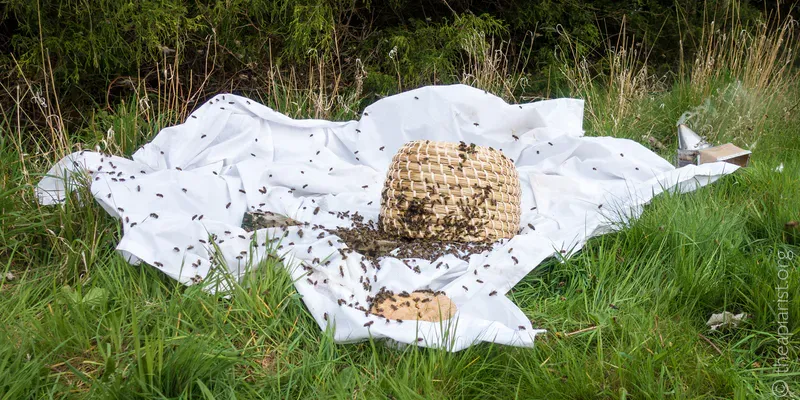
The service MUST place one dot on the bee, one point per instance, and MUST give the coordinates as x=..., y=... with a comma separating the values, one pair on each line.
x=316, y=211
x=120, y=209
x=200, y=217
x=478, y=280
x=325, y=316
x=190, y=247
x=263, y=189
x=309, y=249
x=381, y=148
x=515, y=137
x=621, y=155
x=419, y=339
x=522, y=328
x=550, y=143
x=242, y=190
x=154, y=215
x=194, y=217
x=475, y=123
x=193, y=116
x=109, y=195
x=133, y=224
x=366, y=114
x=515, y=260
x=466, y=289
x=341, y=271
x=203, y=136
x=302, y=172
x=531, y=226
x=305, y=186
x=228, y=205
x=242, y=237
x=158, y=264
x=331, y=169
x=310, y=282
x=178, y=168
x=159, y=195
x=600, y=206
x=369, y=204
x=510, y=250
x=493, y=293
x=202, y=241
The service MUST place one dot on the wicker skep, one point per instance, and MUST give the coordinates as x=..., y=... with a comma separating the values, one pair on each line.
x=450, y=192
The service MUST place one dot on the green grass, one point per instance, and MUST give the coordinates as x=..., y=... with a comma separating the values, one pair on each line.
x=626, y=315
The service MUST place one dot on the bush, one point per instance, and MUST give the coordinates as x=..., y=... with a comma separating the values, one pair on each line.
x=92, y=45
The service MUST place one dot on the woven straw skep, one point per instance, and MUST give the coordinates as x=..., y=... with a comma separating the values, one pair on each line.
x=450, y=192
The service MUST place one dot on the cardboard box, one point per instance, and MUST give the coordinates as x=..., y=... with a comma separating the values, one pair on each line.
x=726, y=152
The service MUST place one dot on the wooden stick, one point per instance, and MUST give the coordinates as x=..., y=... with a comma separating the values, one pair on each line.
x=591, y=328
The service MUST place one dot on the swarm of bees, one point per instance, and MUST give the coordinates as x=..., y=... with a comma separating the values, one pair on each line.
x=462, y=208
x=423, y=305
x=373, y=243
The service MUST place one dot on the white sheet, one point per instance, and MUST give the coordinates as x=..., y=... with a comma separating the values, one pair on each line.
x=234, y=154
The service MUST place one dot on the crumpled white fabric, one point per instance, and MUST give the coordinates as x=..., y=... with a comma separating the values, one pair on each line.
x=233, y=154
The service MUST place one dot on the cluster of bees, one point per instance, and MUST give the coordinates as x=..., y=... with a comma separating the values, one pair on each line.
x=363, y=236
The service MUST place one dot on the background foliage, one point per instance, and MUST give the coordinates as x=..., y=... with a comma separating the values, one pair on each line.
x=94, y=48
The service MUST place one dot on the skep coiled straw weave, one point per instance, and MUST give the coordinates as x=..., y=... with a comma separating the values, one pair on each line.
x=450, y=192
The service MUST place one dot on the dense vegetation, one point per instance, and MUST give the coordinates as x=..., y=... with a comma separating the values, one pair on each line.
x=626, y=315
x=91, y=49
